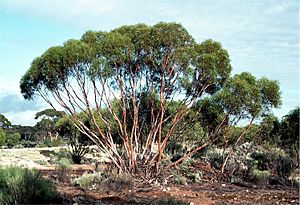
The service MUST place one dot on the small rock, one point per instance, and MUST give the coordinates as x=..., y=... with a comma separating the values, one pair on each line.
x=129, y=190
x=75, y=204
x=164, y=189
x=168, y=188
x=223, y=185
x=192, y=203
x=234, y=199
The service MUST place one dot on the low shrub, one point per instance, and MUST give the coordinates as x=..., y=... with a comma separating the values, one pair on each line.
x=62, y=168
x=46, y=143
x=260, y=176
x=215, y=158
x=117, y=182
x=47, y=153
x=64, y=153
x=181, y=180
x=24, y=186
x=276, y=161
x=56, y=142
x=41, y=162
x=86, y=181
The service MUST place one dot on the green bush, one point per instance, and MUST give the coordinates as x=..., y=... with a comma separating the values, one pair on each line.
x=56, y=142
x=12, y=139
x=62, y=168
x=46, y=143
x=24, y=186
x=41, y=162
x=47, y=153
x=117, y=182
x=215, y=158
x=275, y=160
x=2, y=137
x=87, y=180
x=64, y=153
x=260, y=176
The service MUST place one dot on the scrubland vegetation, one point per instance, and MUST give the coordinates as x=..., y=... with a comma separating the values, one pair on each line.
x=148, y=106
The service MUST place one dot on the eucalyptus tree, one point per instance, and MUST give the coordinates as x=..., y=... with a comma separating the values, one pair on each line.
x=46, y=125
x=247, y=98
x=162, y=61
x=243, y=100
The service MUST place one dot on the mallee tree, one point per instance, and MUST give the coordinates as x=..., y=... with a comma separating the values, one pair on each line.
x=129, y=71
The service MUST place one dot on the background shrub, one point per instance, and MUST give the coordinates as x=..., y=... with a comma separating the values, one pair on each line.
x=274, y=160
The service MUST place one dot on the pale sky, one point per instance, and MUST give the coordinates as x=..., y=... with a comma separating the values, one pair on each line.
x=261, y=36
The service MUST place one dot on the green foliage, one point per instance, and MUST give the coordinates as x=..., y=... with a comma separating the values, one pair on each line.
x=279, y=163
x=62, y=169
x=117, y=182
x=260, y=175
x=79, y=142
x=47, y=153
x=13, y=139
x=46, y=143
x=24, y=186
x=2, y=137
x=41, y=162
x=4, y=122
x=49, y=113
x=64, y=153
x=289, y=132
x=244, y=96
x=215, y=157
x=87, y=180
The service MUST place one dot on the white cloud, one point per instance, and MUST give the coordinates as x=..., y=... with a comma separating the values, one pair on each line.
x=14, y=107
x=8, y=86
x=25, y=118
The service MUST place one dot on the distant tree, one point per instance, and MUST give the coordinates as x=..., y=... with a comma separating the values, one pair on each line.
x=79, y=143
x=4, y=122
x=47, y=123
x=2, y=137
x=12, y=139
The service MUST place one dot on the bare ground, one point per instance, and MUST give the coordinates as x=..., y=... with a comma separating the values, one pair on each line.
x=204, y=193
